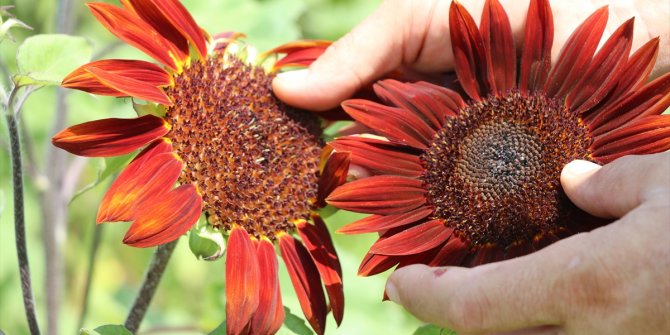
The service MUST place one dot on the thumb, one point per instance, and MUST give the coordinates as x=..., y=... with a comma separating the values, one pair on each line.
x=617, y=188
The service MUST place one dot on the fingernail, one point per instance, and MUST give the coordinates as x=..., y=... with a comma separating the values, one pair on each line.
x=297, y=75
x=392, y=292
x=580, y=167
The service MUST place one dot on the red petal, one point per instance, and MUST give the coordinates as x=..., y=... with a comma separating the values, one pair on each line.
x=496, y=33
x=544, y=240
x=149, y=13
x=381, y=223
x=164, y=218
x=536, y=53
x=243, y=278
x=576, y=54
x=601, y=77
x=373, y=264
x=148, y=178
x=320, y=247
x=298, y=53
x=638, y=68
x=334, y=174
x=397, y=124
x=518, y=249
x=452, y=253
x=379, y=157
x=149, y=73
x=379, y=195
x=419, y=99
x=471, y=62
x=267, y=319
x=486, y=254
x=422, y=237
x=129, y=86
x=133, y=30
x=110, y=137
x=449, y=98
x=647, y=135
x=306, y=281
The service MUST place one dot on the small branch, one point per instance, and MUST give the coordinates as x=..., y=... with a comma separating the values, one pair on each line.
x=95, y=244
x=151, y=280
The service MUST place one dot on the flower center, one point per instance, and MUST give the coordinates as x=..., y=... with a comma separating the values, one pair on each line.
x=254, y=159
x=493, y=172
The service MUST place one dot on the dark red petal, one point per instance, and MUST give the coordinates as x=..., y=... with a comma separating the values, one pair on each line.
x=418, y=99
x=518, y=249
x=373, y=264
x=129, y=86
x=306, y=281
x=137, y=185
x=243, y=278
x=496, y=33
x=334, y=174
x=323, y=253
x=647, y=135
x=379, y=157
x=601, y=77
x=110, y=137
x=381, y=223
x=397, y=124
x=178, y=17
x=452, y=253
x=544, y=240
x=149, y=12
x=164, y=218
x=379, y=195
x=485, y=254
x=652, y=99
x=536, y=53
x=422, y=237
x=149, y=73
x=265, y=319
x=298, y=53
x=638, y=68
x=576, y=54
x=471, y=62
x=450, y=98
x=130, y=28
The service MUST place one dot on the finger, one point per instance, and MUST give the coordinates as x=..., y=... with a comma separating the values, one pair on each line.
x=618, y=187
x=542, y=330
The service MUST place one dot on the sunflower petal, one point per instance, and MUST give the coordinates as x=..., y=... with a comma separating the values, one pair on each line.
x=149, y=73
x=130, y=86
x=471, y=62
x=145, y=179
x=163, y=219
x=242, y=281
x=536, y=53
x=379, y=157
x=647, y=135
x=323, y=253
x=450, y=98
x=373, y=264
x=422, y=237
x=576, y=54
x=415, y=98
x=496, y=32
x=638, y=68
x=268, y=317
x=298, y=53
x=451, y=254
x=334, y=174
x=394, y=123
x=381, y=223
x=379, y=195
x=306, y=281
x=110, y=137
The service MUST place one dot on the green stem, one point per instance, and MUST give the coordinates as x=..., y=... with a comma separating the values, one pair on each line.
x=151, y=280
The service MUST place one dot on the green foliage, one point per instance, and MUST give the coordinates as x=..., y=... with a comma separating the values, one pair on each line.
x=47, y=58
x=107, y=330
x=107, y=167
x=206, y=242
x=433, y=330
x=295, y=323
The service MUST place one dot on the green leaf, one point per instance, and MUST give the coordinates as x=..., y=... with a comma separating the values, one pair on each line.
x=107, y=330
x=206, y=242
x=108, y=167
x=433, y=330
x=47, y=58
x=220, y=330
x=295, y=323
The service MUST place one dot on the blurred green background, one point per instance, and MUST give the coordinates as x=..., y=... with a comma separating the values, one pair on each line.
x=191, y=298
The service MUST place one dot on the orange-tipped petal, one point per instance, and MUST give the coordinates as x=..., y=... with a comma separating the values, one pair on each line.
x=143, y=180
x=576, y=54
x=536, y=53
x=130, y=28
x=334, y=174
x=242, y=281
x=379, y=157
x=379, y=195
x=298, y=53
x=269, y=315
x=471, y=62
x=420, y=238
x=129, y=86
x=381, y=223
x=164, y=218
x=110, y=137
x=496, y=32
x=320, y=247
x=306, y=281
x=149, y=73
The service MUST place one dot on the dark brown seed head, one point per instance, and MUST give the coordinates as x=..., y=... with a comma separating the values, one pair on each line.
x=493, y=172
x=254, y=160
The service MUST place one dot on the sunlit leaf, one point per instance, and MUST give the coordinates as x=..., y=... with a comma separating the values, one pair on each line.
x=433, y=330
x=206, y=242
x=47, y=58
x=107, y=330
x=295, y=324
x=220, y=330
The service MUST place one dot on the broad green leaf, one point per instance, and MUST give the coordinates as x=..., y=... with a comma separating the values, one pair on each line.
x=47, y=58
x=433, y=330
x=108, y=166
x=220, y=330
x=107, y=330
x=295, y=324
x=206, y=242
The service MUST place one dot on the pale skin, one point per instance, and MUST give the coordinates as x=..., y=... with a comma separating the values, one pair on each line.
x=613, y=280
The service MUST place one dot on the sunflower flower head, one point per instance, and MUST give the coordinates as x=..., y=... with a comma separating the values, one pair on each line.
x=214, y=142
x=474, y=177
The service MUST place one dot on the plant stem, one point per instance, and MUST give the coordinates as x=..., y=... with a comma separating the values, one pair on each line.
x=151, y=280
x=19, y=216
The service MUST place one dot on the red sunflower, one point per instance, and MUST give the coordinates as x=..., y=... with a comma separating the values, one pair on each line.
x=251, y=164
x=475, y=178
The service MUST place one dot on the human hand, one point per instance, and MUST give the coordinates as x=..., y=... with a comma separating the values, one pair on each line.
x=612, y=280
x=414, y=35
